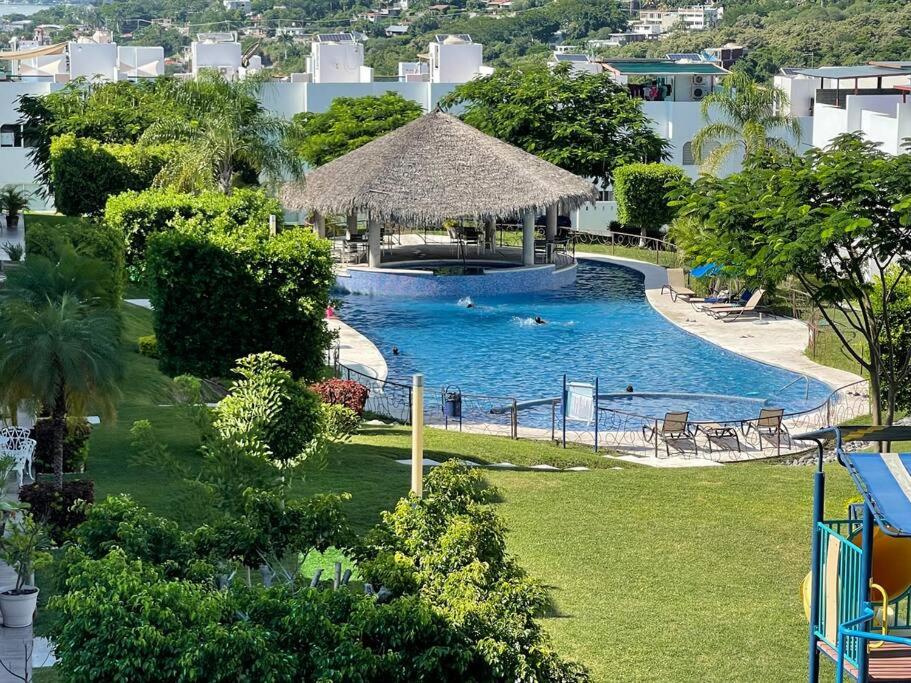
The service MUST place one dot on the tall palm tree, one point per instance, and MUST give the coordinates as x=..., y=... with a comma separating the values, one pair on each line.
x=228, y=130
x=63, y=354
x=743, y=115
x=39, y=279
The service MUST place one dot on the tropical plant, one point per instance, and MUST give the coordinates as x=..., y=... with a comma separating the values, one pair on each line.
x=14, y=250
x=13, y=200
x=63, y=354
x=743, y=115
x=24, y=549
x=228, y=134
x=41, y=280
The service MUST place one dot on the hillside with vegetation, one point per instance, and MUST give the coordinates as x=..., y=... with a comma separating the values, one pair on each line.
x=793, y=33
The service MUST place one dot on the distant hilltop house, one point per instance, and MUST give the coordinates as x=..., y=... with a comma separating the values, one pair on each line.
x=498, y=5
x=397, y=30
x=237, y=5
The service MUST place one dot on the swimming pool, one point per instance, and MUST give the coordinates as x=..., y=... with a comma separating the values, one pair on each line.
x=601, y=326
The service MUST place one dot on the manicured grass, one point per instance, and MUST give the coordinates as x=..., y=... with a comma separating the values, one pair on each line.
x=655, y=575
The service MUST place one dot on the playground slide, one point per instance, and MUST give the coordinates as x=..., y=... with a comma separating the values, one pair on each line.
x=891, y=567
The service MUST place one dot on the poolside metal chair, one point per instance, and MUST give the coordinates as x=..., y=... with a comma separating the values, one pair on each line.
x=16, y=442
x=676, y=284
x=674, y=427
x=732, y=313
x=770, y=423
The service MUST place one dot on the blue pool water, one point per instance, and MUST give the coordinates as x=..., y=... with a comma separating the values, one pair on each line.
x=603, y=326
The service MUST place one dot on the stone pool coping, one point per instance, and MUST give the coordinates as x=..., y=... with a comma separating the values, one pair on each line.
x=780, y=342
x=357, y=352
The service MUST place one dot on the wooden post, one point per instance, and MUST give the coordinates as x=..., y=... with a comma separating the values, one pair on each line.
x=273, y=225
x=490, y=233
x=374, y=246
x=550, y=232
x=528, y=239
x=352, y=222
x=417, y=435
x=319, y=222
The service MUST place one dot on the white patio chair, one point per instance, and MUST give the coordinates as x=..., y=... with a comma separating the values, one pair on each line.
x=24, y=457
x=16, y=441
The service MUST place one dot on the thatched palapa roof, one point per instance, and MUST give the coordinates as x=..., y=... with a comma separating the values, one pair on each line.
x=434, y=168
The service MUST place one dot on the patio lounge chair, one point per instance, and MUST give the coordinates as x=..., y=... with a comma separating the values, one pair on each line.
x=674, y=427
x=676, y=284
x=731, y=313
x=770, y=423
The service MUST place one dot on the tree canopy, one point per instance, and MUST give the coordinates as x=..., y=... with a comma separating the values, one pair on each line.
x=838, y=221
x=585, y=123
x=349, y=123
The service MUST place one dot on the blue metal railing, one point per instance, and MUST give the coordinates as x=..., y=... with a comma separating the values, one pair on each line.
x=849, y=600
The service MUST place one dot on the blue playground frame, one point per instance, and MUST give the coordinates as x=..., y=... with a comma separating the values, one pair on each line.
x=843, y=620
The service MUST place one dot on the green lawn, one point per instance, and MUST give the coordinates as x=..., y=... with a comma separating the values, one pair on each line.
x=671, y=575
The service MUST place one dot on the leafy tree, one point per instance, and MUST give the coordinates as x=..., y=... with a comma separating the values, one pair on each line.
x=640, y=190
x=349, y=123
x=743, y=116
x=62, y=354
x=227, y=131
x=584, y=123
x=831, y=219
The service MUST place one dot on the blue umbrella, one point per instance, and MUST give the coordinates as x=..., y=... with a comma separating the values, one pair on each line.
x=705, y=270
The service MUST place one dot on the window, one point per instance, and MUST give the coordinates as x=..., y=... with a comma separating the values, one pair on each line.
x=688, y=159
x=11, y=135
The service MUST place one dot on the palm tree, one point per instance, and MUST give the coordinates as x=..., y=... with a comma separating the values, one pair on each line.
x=748, y=116
x=59, y=341
x=62, y=354
x=228, y=130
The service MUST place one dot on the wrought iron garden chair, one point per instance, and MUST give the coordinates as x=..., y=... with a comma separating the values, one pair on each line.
x=16, y=442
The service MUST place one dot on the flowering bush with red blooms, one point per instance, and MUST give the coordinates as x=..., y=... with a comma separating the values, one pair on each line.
x=345, y=392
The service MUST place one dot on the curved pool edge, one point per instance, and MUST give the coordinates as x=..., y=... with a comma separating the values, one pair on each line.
x=787, y=352
x=357, y=352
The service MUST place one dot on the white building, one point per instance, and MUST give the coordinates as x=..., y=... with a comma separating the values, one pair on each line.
x=456, y=59
x=337, y=58
x=216, y=51
x=237, y=5
x=871, y=99
x=577, y=63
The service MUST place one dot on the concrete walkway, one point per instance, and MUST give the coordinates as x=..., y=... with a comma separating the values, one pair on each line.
x=357, y=352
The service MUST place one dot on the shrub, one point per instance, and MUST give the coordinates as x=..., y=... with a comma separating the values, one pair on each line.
x=219, y=297
x=339, y=423
x=268, y=406
x=138, y=215
x=88, y=238
x=118, y=521
x=58, y=509
x=457, y=546
x=148, y=346
x=84, y=172
x=75, y=444
x=344, y=392
x=641, y=191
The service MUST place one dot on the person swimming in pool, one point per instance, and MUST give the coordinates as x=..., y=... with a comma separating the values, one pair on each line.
x=395, y=350
x=539, y=320
x=469, y=305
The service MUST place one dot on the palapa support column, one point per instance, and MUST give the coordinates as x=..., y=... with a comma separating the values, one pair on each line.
x=319, y=224
x=528, y=239
x=550, y=231
x=374, y=243
x=490, y=233
x=352, y=223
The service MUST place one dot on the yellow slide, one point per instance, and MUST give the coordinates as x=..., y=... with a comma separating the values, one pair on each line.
x=891, y=567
